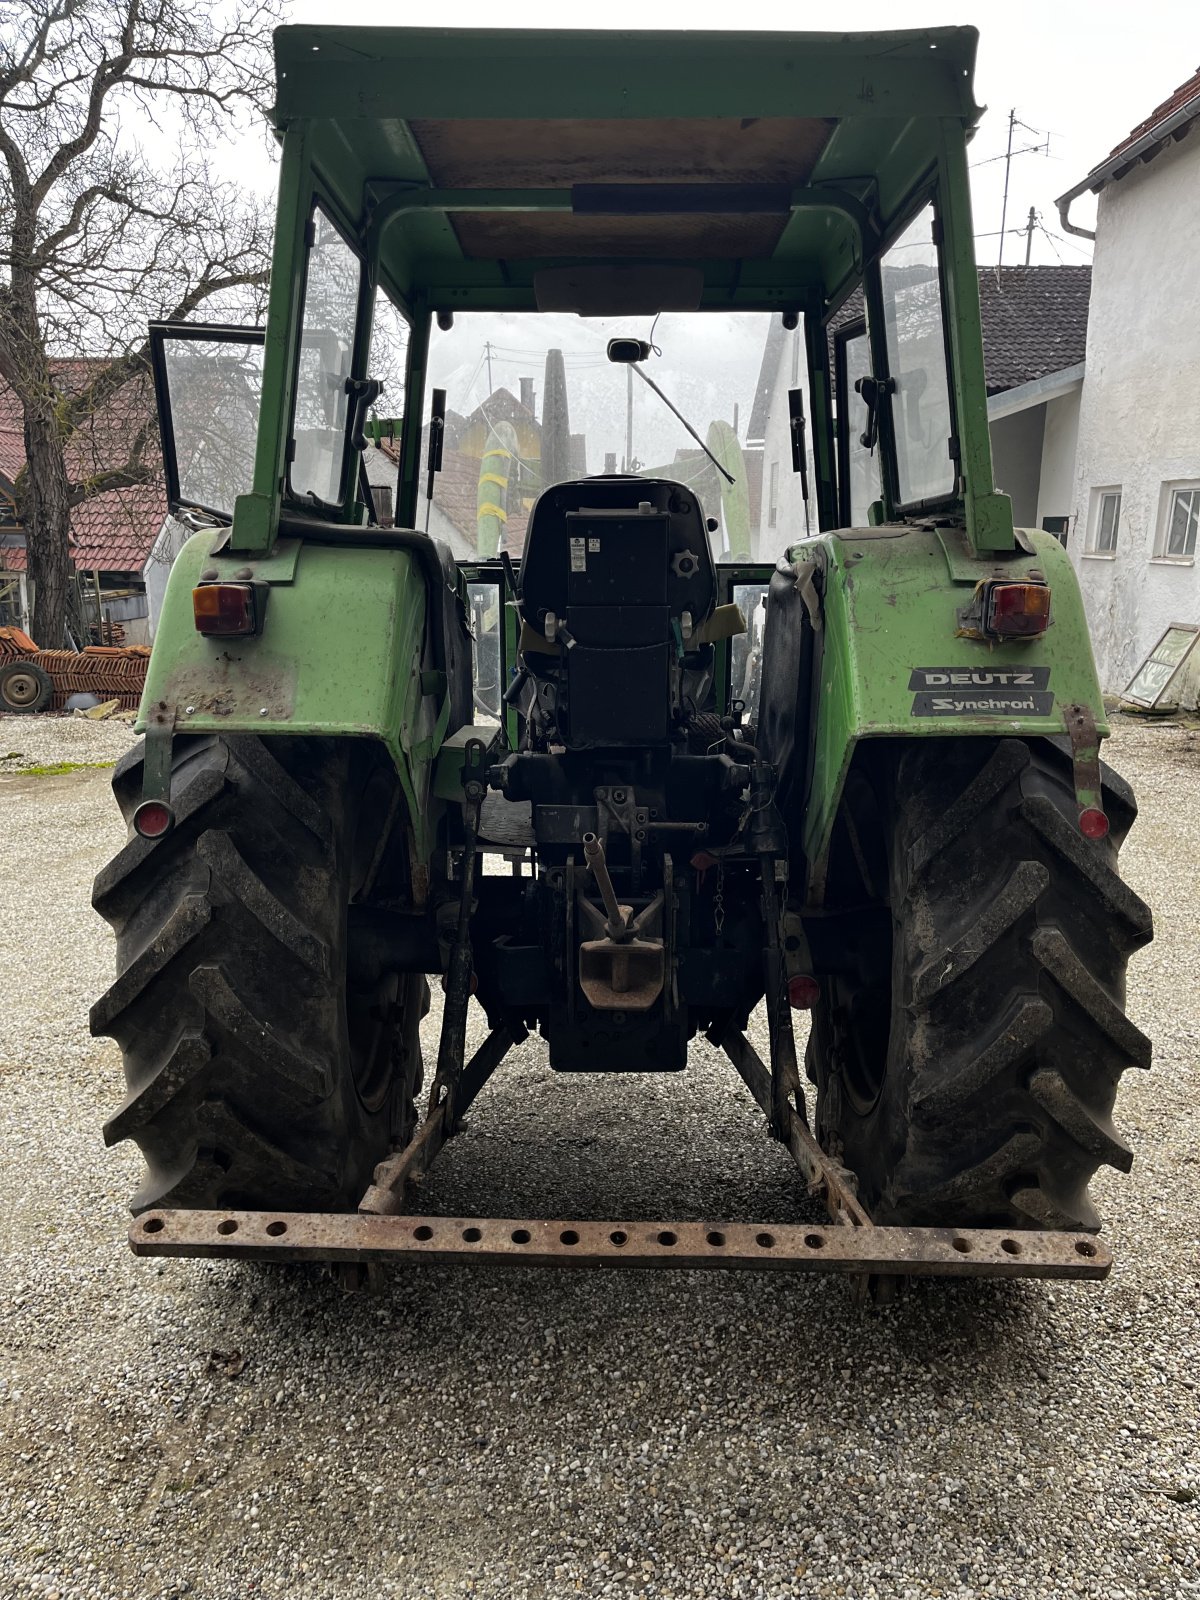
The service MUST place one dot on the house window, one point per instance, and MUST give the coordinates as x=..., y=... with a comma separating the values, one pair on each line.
x=1106, y=521
x=773, y=497
x=1178, y=539
x=1058, y=526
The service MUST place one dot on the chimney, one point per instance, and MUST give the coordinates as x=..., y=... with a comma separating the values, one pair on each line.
x=527, y=399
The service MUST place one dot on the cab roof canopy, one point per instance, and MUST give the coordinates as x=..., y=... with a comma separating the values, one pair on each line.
x=618, y=171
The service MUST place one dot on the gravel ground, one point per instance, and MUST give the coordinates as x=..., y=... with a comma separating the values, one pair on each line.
x=218, y=1430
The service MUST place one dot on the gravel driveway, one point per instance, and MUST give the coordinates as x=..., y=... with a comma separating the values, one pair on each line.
x=220, y=1430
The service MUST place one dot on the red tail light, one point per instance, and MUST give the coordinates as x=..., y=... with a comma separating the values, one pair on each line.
x=1093, y=824
x=225, y=608
x=1016, y=610
x=803, y=992
x=153, y=818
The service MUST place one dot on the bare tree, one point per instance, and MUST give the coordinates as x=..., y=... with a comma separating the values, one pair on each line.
x=98, y=236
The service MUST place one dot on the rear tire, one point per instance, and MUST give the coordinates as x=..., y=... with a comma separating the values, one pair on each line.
x=257, y=1077
x=970, y=1080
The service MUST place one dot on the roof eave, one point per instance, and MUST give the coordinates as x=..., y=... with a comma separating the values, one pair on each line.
x=1119, y=164
x=1007, y=402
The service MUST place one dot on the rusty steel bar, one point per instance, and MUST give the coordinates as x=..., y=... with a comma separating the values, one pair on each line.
x=759, y=1247
x=394, y=1177
x=824, y=1176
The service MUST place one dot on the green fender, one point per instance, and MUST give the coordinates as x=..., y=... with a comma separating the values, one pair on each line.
x=340, y=652
x=891, y=634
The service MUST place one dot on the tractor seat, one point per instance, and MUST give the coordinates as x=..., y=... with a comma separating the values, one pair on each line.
x=617, y=582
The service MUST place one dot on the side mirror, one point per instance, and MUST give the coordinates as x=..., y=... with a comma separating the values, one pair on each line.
x=628, y=351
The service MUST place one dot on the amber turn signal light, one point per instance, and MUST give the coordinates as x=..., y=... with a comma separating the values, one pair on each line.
x=1016, y=610
x=224, y=608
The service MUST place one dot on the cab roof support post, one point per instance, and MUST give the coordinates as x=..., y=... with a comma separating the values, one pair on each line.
x=256, y=515
x=988, y=514
x=885, y=438
x=816, y=339
x=408, y=488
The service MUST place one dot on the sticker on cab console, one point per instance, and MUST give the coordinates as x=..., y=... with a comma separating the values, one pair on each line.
x=981, y=691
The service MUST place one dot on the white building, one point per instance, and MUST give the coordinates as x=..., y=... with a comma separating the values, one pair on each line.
x=1136, y=502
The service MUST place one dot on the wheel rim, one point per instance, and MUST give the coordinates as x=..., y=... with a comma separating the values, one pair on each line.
x=863, y=1049
x=372, y=1026
x=21, y=689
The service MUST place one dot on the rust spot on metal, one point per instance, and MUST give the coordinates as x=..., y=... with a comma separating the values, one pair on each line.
x=508, y=1241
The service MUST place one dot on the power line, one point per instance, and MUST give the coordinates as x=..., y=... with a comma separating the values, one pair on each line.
x=1053, y=246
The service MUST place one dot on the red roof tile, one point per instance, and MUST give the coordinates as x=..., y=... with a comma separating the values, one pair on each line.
x=1175, y=102
x=114, y=531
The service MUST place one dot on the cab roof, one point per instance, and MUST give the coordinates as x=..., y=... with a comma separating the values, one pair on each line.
x=508, y=169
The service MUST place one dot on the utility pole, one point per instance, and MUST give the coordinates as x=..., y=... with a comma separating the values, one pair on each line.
x=487, y=348
x=1012, y=122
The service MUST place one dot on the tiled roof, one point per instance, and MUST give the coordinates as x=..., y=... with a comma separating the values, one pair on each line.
x=1175, y=102
x=12, y=451
x=1034, y=321
x=114, y=531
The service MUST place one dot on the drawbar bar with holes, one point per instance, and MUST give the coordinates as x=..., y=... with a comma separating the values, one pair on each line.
x=788, y=1247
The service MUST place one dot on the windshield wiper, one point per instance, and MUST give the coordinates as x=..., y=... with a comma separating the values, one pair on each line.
x=728, y=476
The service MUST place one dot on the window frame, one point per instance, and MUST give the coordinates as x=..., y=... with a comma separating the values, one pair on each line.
x=1100, y=494
x=857, y=329
x=1171, y=490
x=927, y=195
x=362, y=314
x=160, y=335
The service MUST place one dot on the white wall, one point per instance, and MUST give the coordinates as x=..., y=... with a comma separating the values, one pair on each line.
x=1056, y=486
x=1139, y=421
x=1017, y=460
x=768, y=544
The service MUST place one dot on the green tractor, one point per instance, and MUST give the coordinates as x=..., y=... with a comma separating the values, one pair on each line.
x=521, y=712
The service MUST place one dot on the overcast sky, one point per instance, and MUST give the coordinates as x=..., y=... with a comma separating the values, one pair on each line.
x=1085, y=71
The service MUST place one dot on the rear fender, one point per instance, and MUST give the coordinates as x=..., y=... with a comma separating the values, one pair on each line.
x=343, y=650
x=892, y=661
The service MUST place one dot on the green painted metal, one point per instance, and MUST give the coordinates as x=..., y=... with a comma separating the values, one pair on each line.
x=256, y=515
x=988, y=514
x=445, y=72
x=339, y=653
x=372, y=94
x=891, y=605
